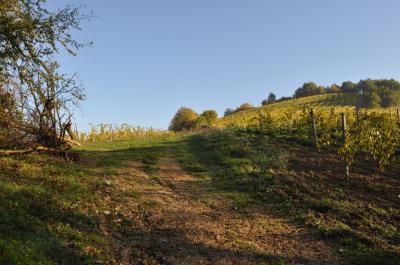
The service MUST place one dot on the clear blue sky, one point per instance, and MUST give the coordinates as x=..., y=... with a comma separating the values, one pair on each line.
x=151, y=57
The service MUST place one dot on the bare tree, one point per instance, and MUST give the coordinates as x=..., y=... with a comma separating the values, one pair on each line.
x=30, y=36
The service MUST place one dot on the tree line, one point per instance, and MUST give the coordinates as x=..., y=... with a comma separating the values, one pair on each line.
x=374, y=92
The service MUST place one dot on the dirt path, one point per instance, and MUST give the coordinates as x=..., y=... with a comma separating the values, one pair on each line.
x=179, y=219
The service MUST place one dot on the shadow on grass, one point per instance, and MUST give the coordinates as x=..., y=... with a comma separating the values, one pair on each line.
x=148, y=154
x=357, y=216
x=36, y=229
x=153, y=243
x=38, y=225
x=43, y=218
x=172, y=246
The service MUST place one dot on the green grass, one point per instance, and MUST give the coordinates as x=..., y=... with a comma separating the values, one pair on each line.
x=50, y=208
x=41, y=216
x=253, y=169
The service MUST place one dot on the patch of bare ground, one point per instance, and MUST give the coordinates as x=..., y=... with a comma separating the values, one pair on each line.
x=179, y=219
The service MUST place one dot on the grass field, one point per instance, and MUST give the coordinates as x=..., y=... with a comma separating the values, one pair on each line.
x=220, y=197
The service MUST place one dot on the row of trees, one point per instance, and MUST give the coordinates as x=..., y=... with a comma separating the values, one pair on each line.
x=37, y=100
x=247, y=106
x=374, y=93
x=243, y=107
x=188, y=119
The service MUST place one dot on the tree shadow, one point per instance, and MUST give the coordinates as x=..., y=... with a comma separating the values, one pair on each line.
x=36, y=219
x=171, y=246
x=155, y=242
x=306, y=187
x=36, y=228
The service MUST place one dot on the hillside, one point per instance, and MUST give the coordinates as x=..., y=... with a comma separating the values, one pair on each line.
x=223, y=197
x=339, y=101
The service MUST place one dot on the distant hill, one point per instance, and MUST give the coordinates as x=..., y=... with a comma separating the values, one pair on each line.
x=320, y=102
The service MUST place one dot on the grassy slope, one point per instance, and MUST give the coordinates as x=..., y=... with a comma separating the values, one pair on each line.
x=43, y=211
x=53, y=211
x=319, y=102
x=360, y=216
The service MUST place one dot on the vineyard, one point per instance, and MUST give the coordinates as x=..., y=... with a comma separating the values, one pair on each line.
x=323, y=121
x=373, y=133
x=305, y=173
x=351, y=131
x=109, y=132
x=322, y=103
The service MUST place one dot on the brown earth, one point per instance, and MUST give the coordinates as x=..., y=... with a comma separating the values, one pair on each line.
x=176, y=218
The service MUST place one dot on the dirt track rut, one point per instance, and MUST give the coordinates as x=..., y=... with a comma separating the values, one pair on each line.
x=181, y=219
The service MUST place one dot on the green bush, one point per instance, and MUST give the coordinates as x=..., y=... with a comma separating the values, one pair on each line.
x=184, y=119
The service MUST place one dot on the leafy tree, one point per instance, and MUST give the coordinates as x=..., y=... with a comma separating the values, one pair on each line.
x=334, y=89
x=30, y=37
x=349, y=87
x=305, y=90
x=245, y=106
x=367, y=86
x=390, y=99
x=377, y=92
x=271, y=98
x=184, y=119
x=371, y=100
x=284, y=99
x=207, y=119
x=309, y=89
x=210, y=115
x=388, y=91
x=229, y=111
x=389, y=84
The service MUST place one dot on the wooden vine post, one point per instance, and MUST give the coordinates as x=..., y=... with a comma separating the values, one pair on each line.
x=314, y=129
x=344, y=127
x=111, y=134
x=357, y=113
x=344, y=130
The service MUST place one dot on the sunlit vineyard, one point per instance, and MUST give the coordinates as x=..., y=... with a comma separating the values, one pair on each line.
x=374, y=133
x=291, y=109
x=109, y=132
